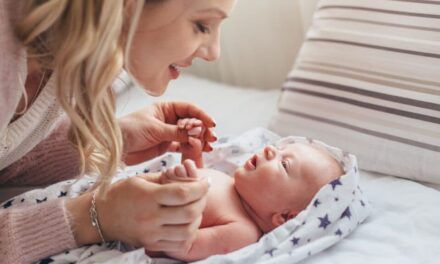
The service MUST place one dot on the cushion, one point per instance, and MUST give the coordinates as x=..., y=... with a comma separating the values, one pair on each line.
x=367, y=79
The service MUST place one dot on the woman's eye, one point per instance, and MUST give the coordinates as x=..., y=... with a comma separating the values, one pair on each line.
x=202, y=28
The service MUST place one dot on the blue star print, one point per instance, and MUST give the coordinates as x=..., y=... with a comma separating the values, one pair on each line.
x=8, y=204
x=324, y=221
x=270, y=252
x=316, y=203
x=335, y=183
x=295, y=240
x=338, y=232
x=346, y=213
x=42, y=200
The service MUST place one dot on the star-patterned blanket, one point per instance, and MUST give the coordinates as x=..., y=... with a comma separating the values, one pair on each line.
x=335, y=211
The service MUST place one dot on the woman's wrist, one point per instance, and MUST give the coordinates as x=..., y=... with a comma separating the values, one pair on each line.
x=79, y=211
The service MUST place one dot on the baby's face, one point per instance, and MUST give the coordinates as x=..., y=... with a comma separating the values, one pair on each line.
x=279, y=179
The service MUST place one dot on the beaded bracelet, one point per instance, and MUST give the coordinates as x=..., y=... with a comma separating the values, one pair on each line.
x=94, y=217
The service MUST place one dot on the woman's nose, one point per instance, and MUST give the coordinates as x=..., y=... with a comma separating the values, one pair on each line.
x=269, y=152
x=209, y=51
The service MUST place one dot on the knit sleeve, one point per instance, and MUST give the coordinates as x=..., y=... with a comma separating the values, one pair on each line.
x=28, y=234
x=52, y=160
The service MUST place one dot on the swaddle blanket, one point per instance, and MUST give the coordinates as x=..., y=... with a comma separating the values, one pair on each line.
x=335, y=211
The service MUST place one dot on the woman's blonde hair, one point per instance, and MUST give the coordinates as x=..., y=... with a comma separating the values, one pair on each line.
x=84, y=42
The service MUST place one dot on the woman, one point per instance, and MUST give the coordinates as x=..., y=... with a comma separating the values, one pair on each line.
x=62, y=56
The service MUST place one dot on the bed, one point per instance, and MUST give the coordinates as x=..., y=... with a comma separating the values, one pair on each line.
x=404, y=224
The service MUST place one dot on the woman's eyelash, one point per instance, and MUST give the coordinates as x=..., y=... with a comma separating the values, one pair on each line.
x=202, y=28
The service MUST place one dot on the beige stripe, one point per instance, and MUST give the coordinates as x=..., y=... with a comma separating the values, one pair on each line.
x=377, y=10
x=371, y=46
x=419, y=1
x=386, y=75
x=363, y=130
x=361, y=117
x=408, y=87
x=380, y=23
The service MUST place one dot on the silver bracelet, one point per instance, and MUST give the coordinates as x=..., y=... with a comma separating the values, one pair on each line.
x=94, y=217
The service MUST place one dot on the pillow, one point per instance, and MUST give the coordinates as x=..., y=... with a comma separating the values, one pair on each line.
x=367, y=79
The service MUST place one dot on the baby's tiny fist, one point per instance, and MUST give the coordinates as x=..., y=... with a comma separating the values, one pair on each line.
x=195, y=131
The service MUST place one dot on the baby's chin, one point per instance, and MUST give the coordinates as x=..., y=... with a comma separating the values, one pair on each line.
x=239, y=172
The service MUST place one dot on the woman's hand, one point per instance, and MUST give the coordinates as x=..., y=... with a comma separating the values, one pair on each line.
x=143, y=213
x=154, y=130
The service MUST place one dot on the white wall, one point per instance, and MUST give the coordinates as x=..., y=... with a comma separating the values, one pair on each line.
x=259, y=43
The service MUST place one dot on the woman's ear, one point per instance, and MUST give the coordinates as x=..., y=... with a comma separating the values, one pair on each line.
x=282, y=217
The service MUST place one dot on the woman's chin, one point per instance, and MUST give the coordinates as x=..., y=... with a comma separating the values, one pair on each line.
x=156, y=90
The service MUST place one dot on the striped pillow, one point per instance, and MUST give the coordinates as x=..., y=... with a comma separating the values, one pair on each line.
x=367, y=80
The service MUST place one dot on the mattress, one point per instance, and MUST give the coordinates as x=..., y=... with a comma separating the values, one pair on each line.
x=404, y=224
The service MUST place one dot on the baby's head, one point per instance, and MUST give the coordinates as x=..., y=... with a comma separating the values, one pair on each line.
x=276, y=184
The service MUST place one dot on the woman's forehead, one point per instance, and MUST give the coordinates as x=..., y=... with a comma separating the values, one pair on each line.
x=221, y=8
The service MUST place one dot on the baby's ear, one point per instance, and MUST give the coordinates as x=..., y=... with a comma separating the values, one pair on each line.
x=282, y=217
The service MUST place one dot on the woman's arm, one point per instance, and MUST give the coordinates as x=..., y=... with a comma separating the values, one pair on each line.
x=31, y=233
x=54, y=159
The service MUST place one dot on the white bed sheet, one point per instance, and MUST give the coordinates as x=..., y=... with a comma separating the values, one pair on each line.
x=405, y=224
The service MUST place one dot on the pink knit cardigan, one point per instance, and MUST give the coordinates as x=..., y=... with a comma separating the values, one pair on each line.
x=40, y=155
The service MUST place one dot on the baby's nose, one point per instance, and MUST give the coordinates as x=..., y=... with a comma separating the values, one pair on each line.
x=269, y=152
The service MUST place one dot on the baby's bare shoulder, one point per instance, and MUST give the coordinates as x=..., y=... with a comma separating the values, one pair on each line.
x=224, y=204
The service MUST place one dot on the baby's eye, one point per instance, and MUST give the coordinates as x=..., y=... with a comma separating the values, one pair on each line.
x=284, y=164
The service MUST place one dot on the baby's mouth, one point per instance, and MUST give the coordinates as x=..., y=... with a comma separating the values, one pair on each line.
x=251, y=164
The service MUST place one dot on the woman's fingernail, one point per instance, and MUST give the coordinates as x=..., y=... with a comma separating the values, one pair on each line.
x=214, y=123
x=209, y=180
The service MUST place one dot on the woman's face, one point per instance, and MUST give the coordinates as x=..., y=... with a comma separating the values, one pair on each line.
x=170, y=35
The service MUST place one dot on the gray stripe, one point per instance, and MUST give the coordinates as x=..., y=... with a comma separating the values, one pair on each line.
x=406, y=141
x=355, y=90
x=419, y=1
x=385, y=109
x=380, y=23
x=402, y=86
x=387, y=75
x=351, y=43
x=380, y=11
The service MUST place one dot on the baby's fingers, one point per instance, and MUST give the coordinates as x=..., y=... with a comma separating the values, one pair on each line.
x=191, y=169
x=195, y=131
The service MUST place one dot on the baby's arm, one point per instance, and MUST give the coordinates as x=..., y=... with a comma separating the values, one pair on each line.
x=219, y=239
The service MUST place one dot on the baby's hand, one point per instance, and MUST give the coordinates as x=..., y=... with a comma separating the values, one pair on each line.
x=194, y=147
x=185, y=172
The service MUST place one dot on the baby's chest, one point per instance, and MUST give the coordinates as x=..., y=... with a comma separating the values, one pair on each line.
x=223, y=204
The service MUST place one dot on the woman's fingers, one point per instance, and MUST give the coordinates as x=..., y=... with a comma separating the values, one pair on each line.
x=175, y=194
x=180, y=232
x=187, y=110
x=182, y=215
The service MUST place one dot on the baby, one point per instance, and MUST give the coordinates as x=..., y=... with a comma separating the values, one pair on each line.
x=269, y=189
